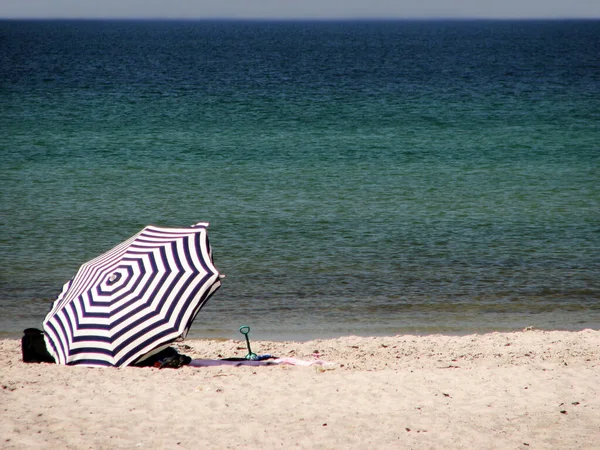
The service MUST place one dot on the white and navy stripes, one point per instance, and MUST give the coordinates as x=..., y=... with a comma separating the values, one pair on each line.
x=142, y=294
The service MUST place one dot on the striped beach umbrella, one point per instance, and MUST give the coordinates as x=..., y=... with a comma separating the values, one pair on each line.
x=134, y=299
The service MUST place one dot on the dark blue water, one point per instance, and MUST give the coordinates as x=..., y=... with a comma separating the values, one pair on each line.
x=359, y=177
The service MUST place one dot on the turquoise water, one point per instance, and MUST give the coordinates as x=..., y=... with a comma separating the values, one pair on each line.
x=359, y=177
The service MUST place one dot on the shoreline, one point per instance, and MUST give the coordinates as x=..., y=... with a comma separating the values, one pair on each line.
x=268, y=331
x=276, y=336
x=527, y=389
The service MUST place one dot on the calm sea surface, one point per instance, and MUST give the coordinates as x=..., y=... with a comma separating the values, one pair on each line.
x=365, y=178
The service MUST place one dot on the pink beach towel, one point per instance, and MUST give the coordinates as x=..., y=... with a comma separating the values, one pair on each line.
x=270, y=362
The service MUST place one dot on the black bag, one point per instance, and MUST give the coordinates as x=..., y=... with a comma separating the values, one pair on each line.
x=169, y=357
x=33, y=347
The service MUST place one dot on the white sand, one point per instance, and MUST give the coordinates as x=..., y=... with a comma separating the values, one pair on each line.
x=529, y=390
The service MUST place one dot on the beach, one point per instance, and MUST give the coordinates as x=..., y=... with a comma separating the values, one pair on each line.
x=529, y=389
x=400, y=207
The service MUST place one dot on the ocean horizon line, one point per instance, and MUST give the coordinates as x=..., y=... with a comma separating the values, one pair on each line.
x=333, y=19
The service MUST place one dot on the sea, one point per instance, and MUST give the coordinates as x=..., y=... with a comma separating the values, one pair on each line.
x=367, y=178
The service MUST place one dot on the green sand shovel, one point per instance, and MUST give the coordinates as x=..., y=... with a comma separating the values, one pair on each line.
x=245, y=329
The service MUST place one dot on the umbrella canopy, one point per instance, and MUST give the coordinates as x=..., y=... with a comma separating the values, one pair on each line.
x=134, y=299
